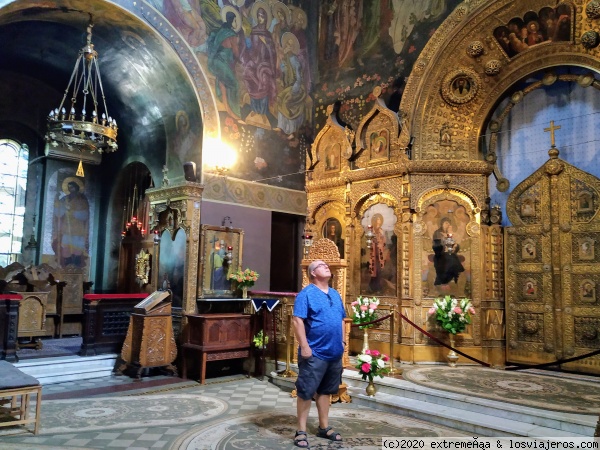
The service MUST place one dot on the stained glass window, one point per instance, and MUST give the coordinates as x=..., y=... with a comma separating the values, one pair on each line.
x=13, y=185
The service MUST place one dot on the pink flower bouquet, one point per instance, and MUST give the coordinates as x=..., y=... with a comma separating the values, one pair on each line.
x=453, y=314
x=363, y=309
x=371, y=364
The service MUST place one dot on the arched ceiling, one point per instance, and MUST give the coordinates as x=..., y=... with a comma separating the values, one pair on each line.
x=144, y=81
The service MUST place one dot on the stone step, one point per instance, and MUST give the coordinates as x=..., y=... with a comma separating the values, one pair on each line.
x=480, y=416
x=68, y=368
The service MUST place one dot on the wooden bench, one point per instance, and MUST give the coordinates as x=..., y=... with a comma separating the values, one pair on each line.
x=16, y=389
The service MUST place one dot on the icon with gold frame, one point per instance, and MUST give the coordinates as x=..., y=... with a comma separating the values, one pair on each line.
x=587, y=291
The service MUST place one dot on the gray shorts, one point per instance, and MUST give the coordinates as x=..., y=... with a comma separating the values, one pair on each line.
x=318, y=376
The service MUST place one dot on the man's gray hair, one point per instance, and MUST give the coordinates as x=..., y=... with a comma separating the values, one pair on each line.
x=311, y=267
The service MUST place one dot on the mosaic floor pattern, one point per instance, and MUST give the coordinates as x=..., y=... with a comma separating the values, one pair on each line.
x=361, y=429
x=105, y=413
x=535, y=391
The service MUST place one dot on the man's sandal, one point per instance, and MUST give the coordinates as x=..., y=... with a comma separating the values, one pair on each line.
x=325, y=433
x=302, y=442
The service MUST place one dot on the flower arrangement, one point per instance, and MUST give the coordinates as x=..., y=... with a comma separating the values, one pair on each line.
x=243, y=278
x=371, y=364
x=260, y=340
x=364, y=310
x=452, y=314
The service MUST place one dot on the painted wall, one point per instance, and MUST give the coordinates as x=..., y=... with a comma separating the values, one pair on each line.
x=279, y=64
x=256, y=224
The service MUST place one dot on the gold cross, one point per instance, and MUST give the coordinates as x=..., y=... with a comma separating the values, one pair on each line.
x=551, y=129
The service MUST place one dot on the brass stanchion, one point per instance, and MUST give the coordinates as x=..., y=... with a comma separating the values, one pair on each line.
x=287, y=373
x=392, y=338
x=392, y=342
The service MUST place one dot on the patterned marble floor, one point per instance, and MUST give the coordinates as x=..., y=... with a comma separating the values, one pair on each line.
x=226, y=413
x=559, y=393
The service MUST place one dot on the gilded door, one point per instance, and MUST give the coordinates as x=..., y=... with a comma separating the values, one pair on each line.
x=553, y=270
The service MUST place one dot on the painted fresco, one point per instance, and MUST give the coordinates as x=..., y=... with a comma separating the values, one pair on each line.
x=68, y=221
x=379, y=263
x=549, y=24
x=446, y=251
x=273, y=81
x=363, y=44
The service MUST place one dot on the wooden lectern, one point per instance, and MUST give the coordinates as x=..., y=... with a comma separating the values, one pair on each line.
x=150, y=341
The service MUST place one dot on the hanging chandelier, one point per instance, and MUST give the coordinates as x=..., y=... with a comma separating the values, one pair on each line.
x=82, y=130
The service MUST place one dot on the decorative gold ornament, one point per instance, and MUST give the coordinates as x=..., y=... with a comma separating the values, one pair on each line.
x=494, y=126
x=592, y=9
x=590, y=39
x=586, y=80
x=502, y=184
x=475, y=49
x=549, y=78
x=142, y=267
x=460, y=86
x=516, y=97
x=492, y=67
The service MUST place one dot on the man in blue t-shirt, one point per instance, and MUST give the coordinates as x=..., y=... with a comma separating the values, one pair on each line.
x=319, y=326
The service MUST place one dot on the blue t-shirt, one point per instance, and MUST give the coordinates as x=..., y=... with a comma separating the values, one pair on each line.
x=323, y=315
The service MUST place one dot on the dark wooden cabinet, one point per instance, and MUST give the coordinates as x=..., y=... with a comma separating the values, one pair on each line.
x=216, y=337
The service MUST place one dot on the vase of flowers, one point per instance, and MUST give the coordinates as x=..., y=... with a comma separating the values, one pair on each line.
x=244, y=279
x=363, y=309
x=453, y=315
x=370, y=364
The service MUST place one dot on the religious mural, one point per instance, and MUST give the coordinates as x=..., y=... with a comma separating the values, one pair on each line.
x=275, y=66
x=68, y=221
x=446, y=248
x=379, y=263
x=546, y=25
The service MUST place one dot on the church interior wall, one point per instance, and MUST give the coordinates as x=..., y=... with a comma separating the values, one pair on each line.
x=256, y=224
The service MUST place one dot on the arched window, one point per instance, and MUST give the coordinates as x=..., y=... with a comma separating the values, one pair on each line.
x=14, y=159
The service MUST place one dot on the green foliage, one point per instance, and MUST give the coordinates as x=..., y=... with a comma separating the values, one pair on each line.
x=452, y=314
x=260, y=340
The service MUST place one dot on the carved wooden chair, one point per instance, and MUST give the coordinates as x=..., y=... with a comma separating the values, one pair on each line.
x=32, y=308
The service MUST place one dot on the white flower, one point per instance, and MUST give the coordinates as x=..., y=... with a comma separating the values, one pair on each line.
x=381, y=363
x=365, y=358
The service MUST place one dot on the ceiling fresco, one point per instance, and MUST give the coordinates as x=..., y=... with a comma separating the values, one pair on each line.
x=257, y=74
x=147, y=87
x=275, y=66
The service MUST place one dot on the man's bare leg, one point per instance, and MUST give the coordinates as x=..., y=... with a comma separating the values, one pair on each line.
x=323, y=402
x=302, y=410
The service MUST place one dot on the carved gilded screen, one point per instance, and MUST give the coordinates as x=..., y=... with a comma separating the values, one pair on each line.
x=552, y=279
